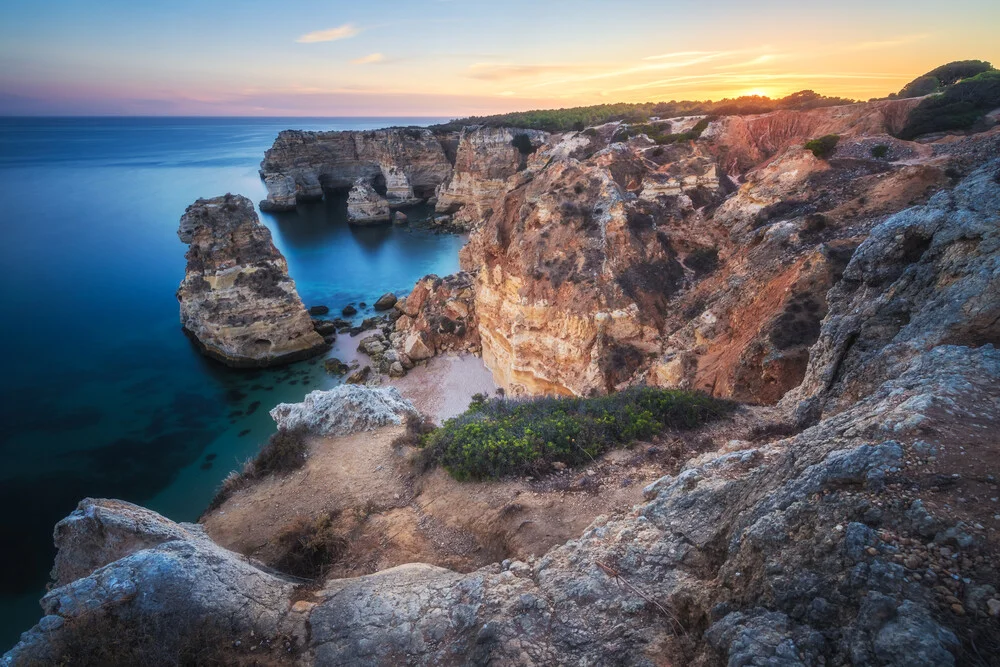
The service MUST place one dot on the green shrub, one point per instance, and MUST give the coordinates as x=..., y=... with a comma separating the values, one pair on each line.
x=943, y=76
x=957, y=108
x=880, y=151
x=578, y=126
x=823, y=147
x=505, y=437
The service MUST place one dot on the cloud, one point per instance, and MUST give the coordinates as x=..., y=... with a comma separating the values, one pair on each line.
x=505, y=71
x=370, y=59
x=329, y=35
x=677, y=54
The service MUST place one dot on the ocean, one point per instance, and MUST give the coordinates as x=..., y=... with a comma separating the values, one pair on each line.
x=102, y=394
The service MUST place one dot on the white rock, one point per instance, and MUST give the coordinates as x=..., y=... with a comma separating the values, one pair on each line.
x=344, y=410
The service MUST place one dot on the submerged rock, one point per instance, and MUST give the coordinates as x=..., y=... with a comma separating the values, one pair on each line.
x=237, y=300
x=345, y=409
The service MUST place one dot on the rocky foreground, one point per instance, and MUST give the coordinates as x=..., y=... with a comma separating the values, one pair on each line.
x=861, y=529
x=237, y=300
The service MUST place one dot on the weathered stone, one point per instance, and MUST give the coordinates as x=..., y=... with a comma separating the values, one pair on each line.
x=300, y=164
x=386, y=301
x=343, y=410
x=416, y=348
x=365, y=206
x=237, y=301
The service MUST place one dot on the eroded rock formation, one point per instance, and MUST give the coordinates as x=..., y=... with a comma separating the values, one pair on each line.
x=439, y=315
x=237, y=301
x=409, y=162
x=485, y=158
x=365, y=206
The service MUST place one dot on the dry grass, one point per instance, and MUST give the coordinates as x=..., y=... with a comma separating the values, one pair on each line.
x=284, y=452
x=311, y=547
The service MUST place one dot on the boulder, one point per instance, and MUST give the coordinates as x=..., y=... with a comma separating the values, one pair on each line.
x=400, y=218
x=318, y=310
x=386, y=301
x=359, y=376
x=349, y=310
x=416, y=348
x=344, y=410
x=335, y=366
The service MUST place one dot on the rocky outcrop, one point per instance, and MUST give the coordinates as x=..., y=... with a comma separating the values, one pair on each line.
x=746, y=141
x=439, y=315
x=365, y=206
x=345, y=409
x=928, y=276
x=165, y=590
x=574, y=271
x=486, y=157
x=237, y=301
x=300, y=166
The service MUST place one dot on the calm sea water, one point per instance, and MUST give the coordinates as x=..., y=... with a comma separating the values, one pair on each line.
x=101, y=393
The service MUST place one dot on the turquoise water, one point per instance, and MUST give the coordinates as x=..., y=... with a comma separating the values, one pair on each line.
x=102, y=395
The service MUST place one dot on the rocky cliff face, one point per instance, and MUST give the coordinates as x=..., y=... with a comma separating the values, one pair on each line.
x=410, y=163
x=673, y=273
x=860, y=540
x=439, y=315
x=237, y=301
x=485, y=158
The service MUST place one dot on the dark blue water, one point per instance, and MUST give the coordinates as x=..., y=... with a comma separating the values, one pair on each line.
x=101, y=393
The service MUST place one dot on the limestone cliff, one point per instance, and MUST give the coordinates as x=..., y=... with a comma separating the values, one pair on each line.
x=237, y=300
x=701, y=263
x=409, y=163
x=485, y=158
x=855, y=541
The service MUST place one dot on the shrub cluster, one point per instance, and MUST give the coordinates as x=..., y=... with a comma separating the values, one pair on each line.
x=959, y=107
x=564, y=120
x=310, y=546
x=501, y=437
x=943, y=76
x=879, y=151
x=823, y=147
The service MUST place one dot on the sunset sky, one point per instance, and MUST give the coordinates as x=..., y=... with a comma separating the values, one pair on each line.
x=461, y=57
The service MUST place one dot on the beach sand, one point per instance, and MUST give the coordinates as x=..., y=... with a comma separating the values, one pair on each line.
x=441, y=387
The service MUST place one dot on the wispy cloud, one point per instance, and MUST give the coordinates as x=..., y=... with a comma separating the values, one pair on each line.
x=886, y=43
x=505, y=71
x=677, y=54
x=370, y=59
x=330, y=34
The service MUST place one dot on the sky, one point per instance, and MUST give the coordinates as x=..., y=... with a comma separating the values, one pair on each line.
x=450, y=58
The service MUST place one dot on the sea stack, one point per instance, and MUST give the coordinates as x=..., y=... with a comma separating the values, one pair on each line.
x=237, y=300
x=365, y=205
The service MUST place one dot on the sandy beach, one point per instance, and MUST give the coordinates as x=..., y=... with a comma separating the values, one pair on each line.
x=441, y=387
